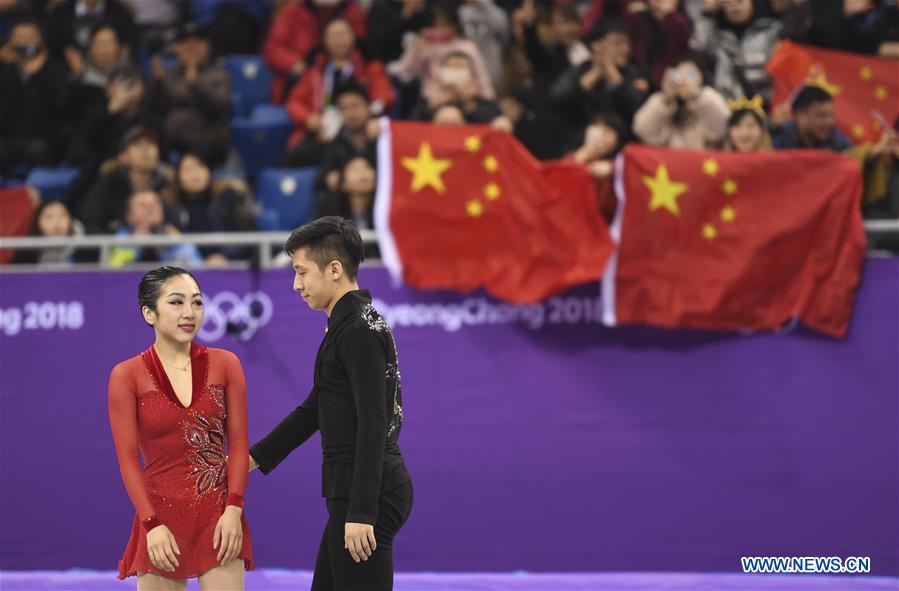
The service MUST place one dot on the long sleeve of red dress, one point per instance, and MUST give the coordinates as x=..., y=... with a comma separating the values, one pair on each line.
x=123, y=420
x=236, y=430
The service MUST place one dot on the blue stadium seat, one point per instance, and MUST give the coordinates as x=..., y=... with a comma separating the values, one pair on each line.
x=251, y=79
x=287, y=197
x=53, y=183
x=259, y=143
x=268, y=112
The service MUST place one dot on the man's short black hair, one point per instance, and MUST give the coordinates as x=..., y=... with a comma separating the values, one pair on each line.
x=810, y=96
x=330, y=238
x=349, y=87
x=605, y=27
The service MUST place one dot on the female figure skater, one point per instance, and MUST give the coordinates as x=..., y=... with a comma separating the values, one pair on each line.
x=178, y=403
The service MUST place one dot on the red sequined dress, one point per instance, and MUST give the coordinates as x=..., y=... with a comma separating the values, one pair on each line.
x=185, y=482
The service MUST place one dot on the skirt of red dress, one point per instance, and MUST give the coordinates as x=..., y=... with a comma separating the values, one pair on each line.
x=193, y=530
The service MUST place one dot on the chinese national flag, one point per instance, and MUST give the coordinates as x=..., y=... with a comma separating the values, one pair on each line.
x=463, y=207
x=730, y=241
x=859, y=84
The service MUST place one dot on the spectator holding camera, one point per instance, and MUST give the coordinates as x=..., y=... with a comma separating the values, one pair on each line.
x=423, y=60
x=685, y=113
x=137, y=169
x=456, y=84
x=31, y=91
x=145, y=216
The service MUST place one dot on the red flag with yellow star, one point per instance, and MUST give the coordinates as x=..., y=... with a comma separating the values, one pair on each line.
x=733, y=241
x=862, y=86
x=465, y=207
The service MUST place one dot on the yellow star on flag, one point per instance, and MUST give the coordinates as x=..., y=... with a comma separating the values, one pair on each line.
x=710, y=167
x=728, y=214
x=472, y=143
x=821, y=81
x=865, y=73
x=664, y=191
x=491, y=191
x=474, y=208
x=709, y=231
x=426, y=169
x=729, y=187
x=880, y=93
x=490, y=163
x=858, y=130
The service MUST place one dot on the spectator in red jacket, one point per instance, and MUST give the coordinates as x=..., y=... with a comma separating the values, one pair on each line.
x=296, y=31
x=311, y=104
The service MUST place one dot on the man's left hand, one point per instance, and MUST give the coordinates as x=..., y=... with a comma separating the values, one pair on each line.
x=359, y=540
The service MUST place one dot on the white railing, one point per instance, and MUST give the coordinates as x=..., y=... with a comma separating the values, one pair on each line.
x=265, y=242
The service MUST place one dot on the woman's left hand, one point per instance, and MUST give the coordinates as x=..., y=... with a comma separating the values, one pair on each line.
x=228, y=536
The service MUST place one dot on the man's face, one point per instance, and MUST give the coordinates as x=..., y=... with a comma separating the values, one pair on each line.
x=145, y=210
x=313, y=285
x=615, y=46
x=816, y=121
x=104, y=49
x=192, y=50
x=142, y=155
x=26, y=38
x=339, y=39
x=354, y=111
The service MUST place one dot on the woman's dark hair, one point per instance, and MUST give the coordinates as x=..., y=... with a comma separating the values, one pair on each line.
x=35, y=229
x=448, y=10
x=613, y=121
x=328, y=239
x=151, y=285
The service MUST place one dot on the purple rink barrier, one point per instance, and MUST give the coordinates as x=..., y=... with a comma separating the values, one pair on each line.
x=537, y=439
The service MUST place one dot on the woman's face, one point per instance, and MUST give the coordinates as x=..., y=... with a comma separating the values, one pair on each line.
x=193, y=175
x=104, y=50
x=746, y=135
x=602, y=139
x=54, y=221
x=179, y=310
x=358, y=176
x=339, y=39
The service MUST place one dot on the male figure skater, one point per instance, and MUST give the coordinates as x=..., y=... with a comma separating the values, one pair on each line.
x=356, y=403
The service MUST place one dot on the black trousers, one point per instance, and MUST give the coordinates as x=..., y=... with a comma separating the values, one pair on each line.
x=335, y=569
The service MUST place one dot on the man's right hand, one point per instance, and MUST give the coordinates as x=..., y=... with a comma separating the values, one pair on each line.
x=253, y=465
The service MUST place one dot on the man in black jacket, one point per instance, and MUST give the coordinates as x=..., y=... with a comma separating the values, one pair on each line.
x=356, y=403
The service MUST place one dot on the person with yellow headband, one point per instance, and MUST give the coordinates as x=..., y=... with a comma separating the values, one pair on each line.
x=747, y=128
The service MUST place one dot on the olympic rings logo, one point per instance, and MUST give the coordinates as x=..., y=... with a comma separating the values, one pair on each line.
x=228, y=313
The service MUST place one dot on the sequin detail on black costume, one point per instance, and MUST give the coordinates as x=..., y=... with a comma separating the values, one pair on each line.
x=376, y=322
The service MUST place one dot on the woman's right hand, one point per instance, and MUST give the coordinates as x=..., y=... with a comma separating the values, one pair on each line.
x=162, y=548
